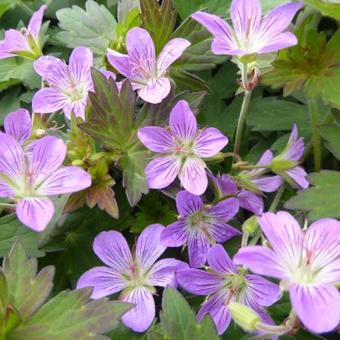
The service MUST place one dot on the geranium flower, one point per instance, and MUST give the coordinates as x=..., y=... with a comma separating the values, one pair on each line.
x=286, y=164
x=24, y=43
x=29, y=179
x=227, y=186
x=134, y=275
x=249, y=35
x=146, y=72
x=182, y=148
x=68, y=85
x=223, y=283
x=200, y=226
x=306, y=262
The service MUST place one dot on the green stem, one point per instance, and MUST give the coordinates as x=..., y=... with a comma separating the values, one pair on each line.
x=314, y=119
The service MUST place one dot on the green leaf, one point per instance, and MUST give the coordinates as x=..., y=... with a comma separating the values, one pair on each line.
x=179, y=322
x=12, y=230
x=111, y=121
x=27, y=290
x=332, y=135
x=158, y=20
x=5, y=5
x=312, y=65
x=9, y=102
x=94, y=27
x=124, y=8
x=326, y=7
x=322, y=199
x=72, y=315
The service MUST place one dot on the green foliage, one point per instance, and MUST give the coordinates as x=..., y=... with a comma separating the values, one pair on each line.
x=312, y=65
x=94, y=27
x=332, y=136
x=68, y=315
x=321, y=199
x=326, y=7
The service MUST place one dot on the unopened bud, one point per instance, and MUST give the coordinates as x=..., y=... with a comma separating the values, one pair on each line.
x=250, y=226
x=279, y=165
x=39, y=133
x=244, y=316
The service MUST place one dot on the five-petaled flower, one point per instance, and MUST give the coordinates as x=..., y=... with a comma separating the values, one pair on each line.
x=68, y=85
x=134, y=275
x=222, y=284
x=28, y=178
x=146, y=72
x=306, y=262
x=286, y=164
x=24, y=43
x=200, y=226
x=249, y=35
x=182, y=149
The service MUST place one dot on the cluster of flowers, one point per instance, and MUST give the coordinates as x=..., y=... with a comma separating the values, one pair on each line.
x=306, y=262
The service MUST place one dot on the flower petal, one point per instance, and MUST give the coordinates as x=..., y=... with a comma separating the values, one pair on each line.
x=48, y=155
x=198, y=282
x=80, y=63
x=120, y=62
x=149, y=247
x=44, y=64
x=182, y=121
x=261, y=291
x=218, y=311
x=224, y=210
x=141, y=316
x=5, y=190
x=103, y=280
x=11, y=157
x=48, y=100
x=112, y=248
x=15, y=42
x=225, y=185
x=285, y=236
x=282, y=40
x=170, y=53
x=156, y=139
x=322, y=244
x=268, y=183
x=187, y=203
x=34, y=25
x=198, y=248
x=298, y=174
x=18, y=124
x=222, y=232
x=260, y=260
x=193, y=176
x=219, y=260
x=155, y=90
x=161, y=172
x=317, y=306
x=163, y=272
x=246, y=17
x=65, y=180
x=175, y=234
x=251, y=202
x=35, y=213
x=209, y=142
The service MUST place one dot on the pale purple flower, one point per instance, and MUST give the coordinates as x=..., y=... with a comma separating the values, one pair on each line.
x=182, y=149
x=226, y=186
x=200, y=226
x=146, y=72
x=306, y=262
x=257, y=180
x=68, y=85
x=222, y=284
x=24, y=43
x=28, y=179
x=134, y=275
x=249, y=35
x=286, y=164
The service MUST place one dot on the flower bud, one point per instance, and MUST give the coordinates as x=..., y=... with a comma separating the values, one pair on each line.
x=279, y=165
x=250, y=226
x=244, y=316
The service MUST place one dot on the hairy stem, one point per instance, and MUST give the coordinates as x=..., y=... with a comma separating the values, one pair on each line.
x=314, y=119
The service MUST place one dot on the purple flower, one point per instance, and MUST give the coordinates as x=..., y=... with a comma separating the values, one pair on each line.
x=68, y=85
x=255, y=180
x=135, y=275
x=222, y=284
x=307, y=263
x=200, y=226
x=227, y=186
x=24, y=43
x=147, y=74
x=28, y=179
x=182, y=148
x=249, y=35
x=286, y=163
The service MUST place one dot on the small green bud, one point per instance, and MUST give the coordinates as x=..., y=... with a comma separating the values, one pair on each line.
x=250, y=226
x=279, y=165
x=244, y=316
